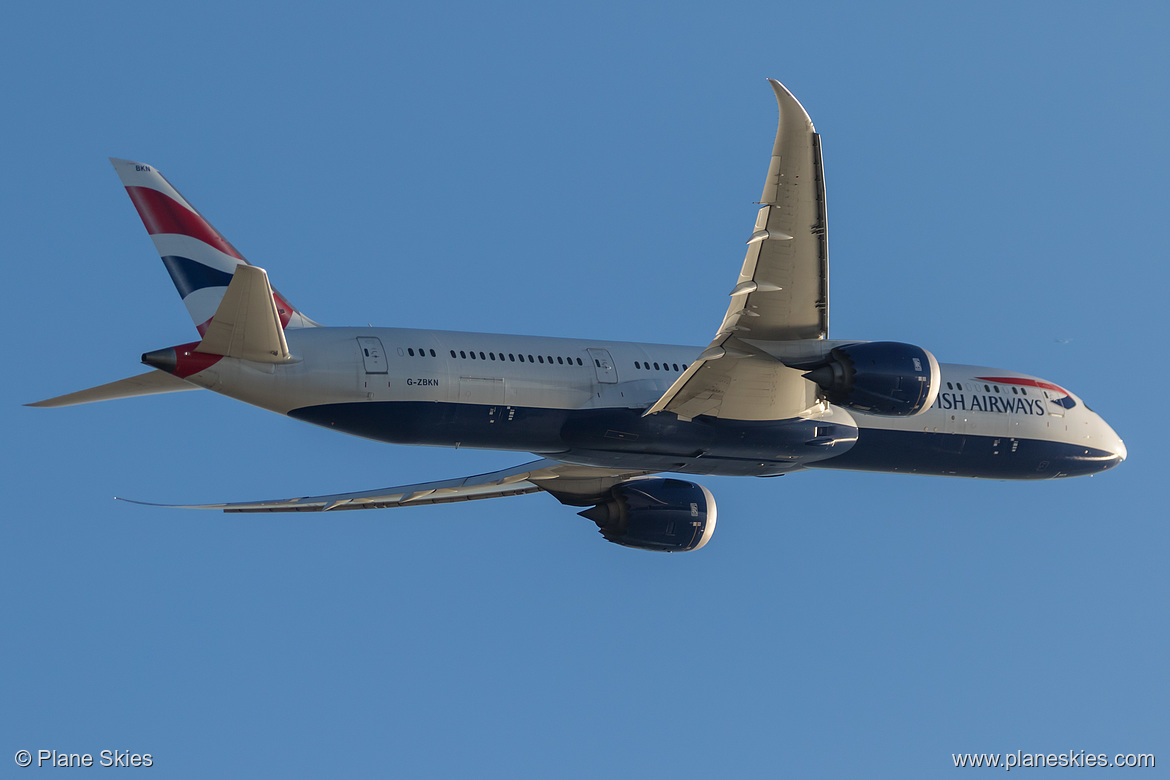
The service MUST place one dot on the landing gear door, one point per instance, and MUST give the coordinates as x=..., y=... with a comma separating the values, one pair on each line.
x=373, y=355
x=603, y=364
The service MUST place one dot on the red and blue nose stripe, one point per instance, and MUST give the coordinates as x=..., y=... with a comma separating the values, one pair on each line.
x=1065, y=401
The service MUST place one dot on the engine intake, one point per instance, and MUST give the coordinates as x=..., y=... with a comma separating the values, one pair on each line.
x=656, y=513
x=885, y=378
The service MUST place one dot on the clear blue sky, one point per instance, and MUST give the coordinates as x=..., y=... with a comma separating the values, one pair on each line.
x=997, y=188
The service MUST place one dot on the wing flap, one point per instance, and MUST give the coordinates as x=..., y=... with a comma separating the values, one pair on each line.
x=739, y=383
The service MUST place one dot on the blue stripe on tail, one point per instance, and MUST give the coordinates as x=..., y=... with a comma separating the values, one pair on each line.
x=190, y=275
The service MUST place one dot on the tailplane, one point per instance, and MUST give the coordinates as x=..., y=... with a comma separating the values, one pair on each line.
x=200, y=260
x=144, y=384
x=246, y=325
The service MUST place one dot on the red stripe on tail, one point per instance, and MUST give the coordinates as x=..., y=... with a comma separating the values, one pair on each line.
x=188, y=361
x=284, y=309
x=162, y=214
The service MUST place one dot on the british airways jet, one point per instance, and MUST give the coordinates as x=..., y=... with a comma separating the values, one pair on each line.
x=771, y=394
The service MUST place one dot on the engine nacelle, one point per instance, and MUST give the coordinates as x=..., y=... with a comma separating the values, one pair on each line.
x=880, y=377
x=656, y=513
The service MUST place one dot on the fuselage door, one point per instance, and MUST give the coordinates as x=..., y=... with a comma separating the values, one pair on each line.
x=603, y=363
x=372, y=354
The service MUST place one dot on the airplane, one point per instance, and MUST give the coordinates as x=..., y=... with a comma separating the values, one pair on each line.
x=612, y=423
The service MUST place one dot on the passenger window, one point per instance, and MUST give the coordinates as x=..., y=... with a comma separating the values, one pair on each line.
x=1015, y=391
x=452, y=353
x=997, y=388
x=579, y=362
x=675, y=365
x=959, y=385
x=473, y=355
x=481, y=357
x=656, y=367
x=410, y=351
x=463, y=354
x=531, y=359
x=560, y=362
x=986, y=389
x=637, y=364
x=433, y=353
x=511, y=357
x=949, y=386
x=540, y=358
x=550, y=359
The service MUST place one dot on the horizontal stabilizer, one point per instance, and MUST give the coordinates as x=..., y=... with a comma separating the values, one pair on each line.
x=246, y=325
x=150, y=383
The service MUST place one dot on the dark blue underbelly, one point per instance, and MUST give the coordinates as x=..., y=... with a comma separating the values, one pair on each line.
x=617, y=437
x=957, y=455
x=623, y=438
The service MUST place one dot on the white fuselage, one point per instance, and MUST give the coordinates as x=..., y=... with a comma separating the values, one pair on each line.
x=582, y=401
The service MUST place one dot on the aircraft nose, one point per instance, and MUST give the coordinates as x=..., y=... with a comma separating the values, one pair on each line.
x=1113, y=444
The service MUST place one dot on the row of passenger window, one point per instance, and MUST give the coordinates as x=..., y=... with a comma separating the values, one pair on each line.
x=987, y=388
x=516, y=358
x=549, y=359
x=665, y=366
x=511, y=357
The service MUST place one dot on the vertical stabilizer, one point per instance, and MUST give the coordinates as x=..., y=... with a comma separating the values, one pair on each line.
x=247, y=324
x=200, y=260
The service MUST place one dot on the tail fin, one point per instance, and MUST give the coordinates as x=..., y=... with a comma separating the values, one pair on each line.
x=200, y=260
x=247, y=323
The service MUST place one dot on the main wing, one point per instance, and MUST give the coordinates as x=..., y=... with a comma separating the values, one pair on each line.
x=782, y=293
x=569, y=484
x=783, y=288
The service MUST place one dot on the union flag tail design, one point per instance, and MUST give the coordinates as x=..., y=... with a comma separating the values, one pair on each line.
x=200, y=260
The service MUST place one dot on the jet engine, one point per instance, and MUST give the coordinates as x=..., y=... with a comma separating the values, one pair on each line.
x=885, y=378
x=656, y=513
